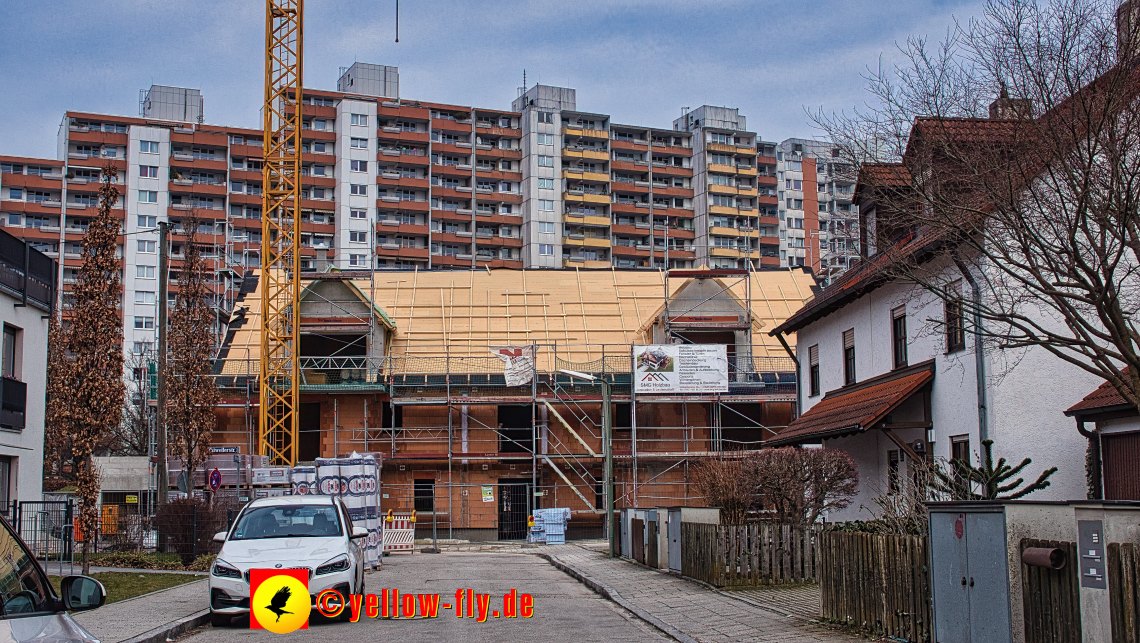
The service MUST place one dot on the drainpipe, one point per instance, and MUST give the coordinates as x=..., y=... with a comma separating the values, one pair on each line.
x=796, y=361
x=1093, y=465
x=979, y=354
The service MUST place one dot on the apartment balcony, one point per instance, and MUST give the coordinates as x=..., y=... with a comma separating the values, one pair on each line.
x=721, y=168
x=583, y=197
x=733, y=232
x=584, y=132
x=588, y=242
x=584, y=219
x=582, y=175
x=600, y=155
x=746, y=170
x=578, y=262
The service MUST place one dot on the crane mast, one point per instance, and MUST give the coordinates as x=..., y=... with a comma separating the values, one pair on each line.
x=278, y=413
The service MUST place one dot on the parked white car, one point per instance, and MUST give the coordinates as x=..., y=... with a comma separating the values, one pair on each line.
x=29, y=607
x=289, y=532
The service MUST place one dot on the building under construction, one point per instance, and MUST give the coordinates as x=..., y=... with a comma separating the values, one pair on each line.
x=456, y=380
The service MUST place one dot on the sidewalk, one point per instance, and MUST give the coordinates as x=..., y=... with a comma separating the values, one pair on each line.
x=686, y=610
x=137, y=619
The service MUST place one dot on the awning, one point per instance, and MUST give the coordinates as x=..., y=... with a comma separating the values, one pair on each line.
x=853, y=410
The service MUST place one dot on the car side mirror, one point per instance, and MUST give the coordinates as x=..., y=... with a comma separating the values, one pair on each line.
x=359, y=532
x=220, y=537
x=82, y=593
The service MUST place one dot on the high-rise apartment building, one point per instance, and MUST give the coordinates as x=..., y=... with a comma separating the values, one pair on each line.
x=819, y=223
x=392, y=183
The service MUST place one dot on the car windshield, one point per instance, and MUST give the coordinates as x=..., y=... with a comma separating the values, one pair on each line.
x=23, y=588
x=288, y=521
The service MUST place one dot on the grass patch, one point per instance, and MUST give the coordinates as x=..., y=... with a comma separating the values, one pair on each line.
x=123, y=585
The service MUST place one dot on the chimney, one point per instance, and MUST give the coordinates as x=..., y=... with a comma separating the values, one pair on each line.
x=1127, y=23
x=1008, y=109
x=322, y=262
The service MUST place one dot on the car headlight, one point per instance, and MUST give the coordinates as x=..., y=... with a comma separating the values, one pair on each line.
x=225, y=570
x=338, y=564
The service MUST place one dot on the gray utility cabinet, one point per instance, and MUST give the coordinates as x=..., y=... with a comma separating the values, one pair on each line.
x=674, y=545
x=969, y=576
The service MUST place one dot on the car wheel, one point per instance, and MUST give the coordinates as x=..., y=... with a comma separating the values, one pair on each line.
x=219, y=620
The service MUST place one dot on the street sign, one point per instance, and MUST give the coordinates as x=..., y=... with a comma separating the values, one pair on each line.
x=225, y=449
x=215, y=480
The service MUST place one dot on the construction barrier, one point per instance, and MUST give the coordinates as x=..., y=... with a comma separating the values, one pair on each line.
x=399, y=531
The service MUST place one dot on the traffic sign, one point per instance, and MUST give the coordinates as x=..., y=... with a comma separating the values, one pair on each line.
x=215, y=480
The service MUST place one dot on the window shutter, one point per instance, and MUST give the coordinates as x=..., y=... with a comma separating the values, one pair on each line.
x=849, y=338
x=813, y=355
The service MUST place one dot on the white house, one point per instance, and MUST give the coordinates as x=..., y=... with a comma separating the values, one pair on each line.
x=27, y=296
x=1115, y=431
x=889, y=373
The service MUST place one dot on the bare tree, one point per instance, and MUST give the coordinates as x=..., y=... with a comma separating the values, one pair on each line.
x=132, y=436
x=800, y=485
x=85, y=396
x=1033, y=198
x=190, y=391
x=728, y=483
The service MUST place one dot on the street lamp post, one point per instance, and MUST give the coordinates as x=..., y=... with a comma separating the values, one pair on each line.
x=607, y=451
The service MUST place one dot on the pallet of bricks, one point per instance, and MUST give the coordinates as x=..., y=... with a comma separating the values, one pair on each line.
x=236, y=470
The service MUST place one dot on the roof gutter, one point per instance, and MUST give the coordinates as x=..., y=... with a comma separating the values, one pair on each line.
x=796, y=361
x=1093, y=467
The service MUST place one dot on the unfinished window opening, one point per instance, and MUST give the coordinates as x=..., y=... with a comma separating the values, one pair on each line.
x=515, y=429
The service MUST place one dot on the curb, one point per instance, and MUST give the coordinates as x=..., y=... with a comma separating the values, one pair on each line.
x=612, y=594
x=174, y=628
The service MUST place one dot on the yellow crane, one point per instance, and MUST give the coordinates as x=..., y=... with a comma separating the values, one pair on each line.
x=279, y=413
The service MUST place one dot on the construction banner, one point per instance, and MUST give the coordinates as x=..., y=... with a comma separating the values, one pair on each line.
x=681, y=368
x=519, y=363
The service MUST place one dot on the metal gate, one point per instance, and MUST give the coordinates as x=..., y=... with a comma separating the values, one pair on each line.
x=514, y=507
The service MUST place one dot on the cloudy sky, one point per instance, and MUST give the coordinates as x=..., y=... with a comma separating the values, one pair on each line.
x=639, y=60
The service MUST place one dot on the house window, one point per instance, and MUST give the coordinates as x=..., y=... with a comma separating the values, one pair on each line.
x=898, y=335
x=546, y=139
x=546, y=227
x=357, y=166
x=358, y=143
x=546, y=184
x=546, y=249
x=356, y=260
x=148, y=171
x=955, y=325
x=359, y=119
x=148, y=196
x=360, y=190
x=11, y=337
x=150, y=147
x=144, y=297
x=424, y=494
x=892, y=472
x=144, y=272
x=357, y=214
x=545, y=117
x=813, y=370
x=545, y=205
x=146, y=246
x=147, y=221
x=356, y=236
x=144, y=323
x=849, y=356
x=545, y=161
x=960, y=448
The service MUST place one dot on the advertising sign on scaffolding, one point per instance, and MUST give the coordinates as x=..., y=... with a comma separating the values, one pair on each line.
x=518, y=369
x=681, y=368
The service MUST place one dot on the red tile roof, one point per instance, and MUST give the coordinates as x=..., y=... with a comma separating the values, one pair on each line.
x=875, y=271
x=852, y=410
x=1104, y=397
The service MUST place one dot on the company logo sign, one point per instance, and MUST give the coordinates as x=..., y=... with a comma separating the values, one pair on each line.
x=279, y=600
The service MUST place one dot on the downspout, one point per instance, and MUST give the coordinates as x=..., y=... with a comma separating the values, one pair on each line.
x=796, y=361
x=1093, y=467
x=979, y=354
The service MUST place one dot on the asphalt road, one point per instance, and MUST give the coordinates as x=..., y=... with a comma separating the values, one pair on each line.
x=563, y=608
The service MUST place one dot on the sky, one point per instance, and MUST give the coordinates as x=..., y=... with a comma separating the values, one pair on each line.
x=641, y=61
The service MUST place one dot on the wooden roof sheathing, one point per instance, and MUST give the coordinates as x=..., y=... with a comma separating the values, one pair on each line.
x=462, y=313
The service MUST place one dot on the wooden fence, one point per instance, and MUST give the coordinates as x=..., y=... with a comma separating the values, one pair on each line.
x=877, y=582
x=746, y=555
x=1051, y=597
x=1124, y=594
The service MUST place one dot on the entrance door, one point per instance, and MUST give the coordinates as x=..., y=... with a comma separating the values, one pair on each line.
x=675, y=540
x=514, y=507
x=309, y=433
